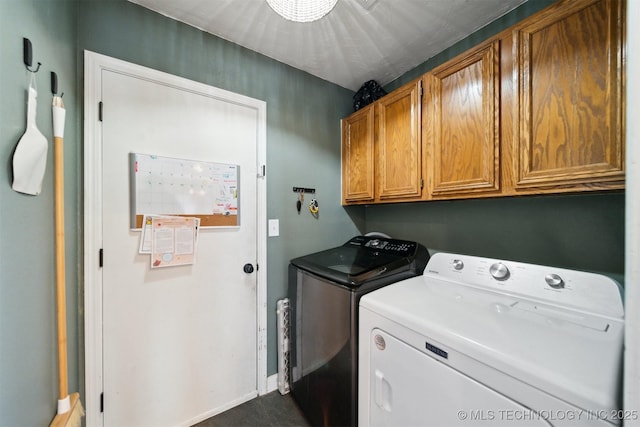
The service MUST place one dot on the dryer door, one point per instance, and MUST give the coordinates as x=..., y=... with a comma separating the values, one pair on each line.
x=411, y=388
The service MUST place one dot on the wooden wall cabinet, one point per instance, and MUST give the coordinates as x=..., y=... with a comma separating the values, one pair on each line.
x=358, y=156
x=382, y=150
x=398, y=144
x=536, y=109
x=569, y=114
x=461, y=124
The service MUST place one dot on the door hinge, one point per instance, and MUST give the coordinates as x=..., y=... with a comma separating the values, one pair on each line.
x=421, y=183
x=102, y=402
x=100, y=257
x=263, y=171
x=100, y=111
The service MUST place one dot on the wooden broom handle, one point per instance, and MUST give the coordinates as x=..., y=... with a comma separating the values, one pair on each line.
x=61, y=307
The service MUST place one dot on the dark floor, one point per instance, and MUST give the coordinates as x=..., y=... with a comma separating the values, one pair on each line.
x=272, y=409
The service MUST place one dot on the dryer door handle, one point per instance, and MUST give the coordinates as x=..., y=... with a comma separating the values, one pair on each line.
x=382, y=392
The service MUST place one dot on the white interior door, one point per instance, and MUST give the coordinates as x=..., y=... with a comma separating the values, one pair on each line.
x=179, y=344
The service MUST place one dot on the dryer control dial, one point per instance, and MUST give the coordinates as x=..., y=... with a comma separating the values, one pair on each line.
x=457, y=264
x=555, y=281
x=499, y=271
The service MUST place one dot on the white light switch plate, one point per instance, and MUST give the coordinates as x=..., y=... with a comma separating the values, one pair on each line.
x=274, y=227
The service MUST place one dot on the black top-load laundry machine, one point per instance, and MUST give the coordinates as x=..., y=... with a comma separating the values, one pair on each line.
x=324, y=292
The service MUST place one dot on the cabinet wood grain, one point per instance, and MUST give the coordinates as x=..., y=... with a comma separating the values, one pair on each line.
x=569, y=109
x=464, y=131
x=358, y=156
x=398, y=144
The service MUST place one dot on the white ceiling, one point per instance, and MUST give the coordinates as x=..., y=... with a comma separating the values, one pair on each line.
x=350, y=45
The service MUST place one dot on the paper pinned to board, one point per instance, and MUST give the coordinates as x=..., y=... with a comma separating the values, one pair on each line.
x=169, y=240
x=145, y=235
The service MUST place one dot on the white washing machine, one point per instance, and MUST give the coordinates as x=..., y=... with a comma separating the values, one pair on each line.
x=478, y=341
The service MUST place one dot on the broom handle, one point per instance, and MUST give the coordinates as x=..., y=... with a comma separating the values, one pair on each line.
x=60, y=268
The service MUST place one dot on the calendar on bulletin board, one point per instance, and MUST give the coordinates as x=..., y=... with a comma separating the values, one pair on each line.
x=169, y=186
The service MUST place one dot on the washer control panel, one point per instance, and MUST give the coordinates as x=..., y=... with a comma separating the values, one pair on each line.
x=569, y=288
x=499, y=271
x=391, y=246
x=554, y=280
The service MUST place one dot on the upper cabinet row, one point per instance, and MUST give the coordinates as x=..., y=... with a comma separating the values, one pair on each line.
x=382, y=150
x=537, y=109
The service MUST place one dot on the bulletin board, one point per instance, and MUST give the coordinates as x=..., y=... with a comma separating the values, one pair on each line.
x=170, y=186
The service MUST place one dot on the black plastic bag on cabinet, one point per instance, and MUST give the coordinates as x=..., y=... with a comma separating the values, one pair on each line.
x=369, y=92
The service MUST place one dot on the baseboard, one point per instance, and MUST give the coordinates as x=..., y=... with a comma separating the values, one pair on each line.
x=272, y=383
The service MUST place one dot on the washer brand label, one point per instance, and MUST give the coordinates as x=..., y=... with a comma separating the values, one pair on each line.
x=440, y=352
x=379, y=340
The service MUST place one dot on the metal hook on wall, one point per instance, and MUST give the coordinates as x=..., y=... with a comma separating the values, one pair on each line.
x=54, y=84
x=28, y=55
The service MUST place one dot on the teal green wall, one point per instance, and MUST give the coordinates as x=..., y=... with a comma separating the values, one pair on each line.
x=28, y=355
x=582, y=231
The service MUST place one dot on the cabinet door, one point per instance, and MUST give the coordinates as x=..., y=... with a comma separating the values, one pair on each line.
x=570, y=108
x=358, y=156
x=464, y=138
x=398, y=140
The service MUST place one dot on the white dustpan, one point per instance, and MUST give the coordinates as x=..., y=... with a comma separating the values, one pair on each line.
x=30, y=157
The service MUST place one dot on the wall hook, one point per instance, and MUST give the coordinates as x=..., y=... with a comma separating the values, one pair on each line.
x=304, y=190
x=28, y=55
x=54, y=84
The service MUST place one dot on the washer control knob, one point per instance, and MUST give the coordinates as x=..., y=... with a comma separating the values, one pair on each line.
x=554, y=281
x=458, y=264
x=499, y=271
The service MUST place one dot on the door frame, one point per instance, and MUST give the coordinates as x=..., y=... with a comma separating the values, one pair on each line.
x=94, y=65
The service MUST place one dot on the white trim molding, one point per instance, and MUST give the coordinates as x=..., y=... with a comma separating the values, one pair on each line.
x=632, y=223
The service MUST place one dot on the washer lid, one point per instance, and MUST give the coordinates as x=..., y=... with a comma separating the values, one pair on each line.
x=571, y=355
x=364, y=258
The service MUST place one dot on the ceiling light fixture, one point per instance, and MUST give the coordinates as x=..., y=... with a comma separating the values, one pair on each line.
x=302, y=10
